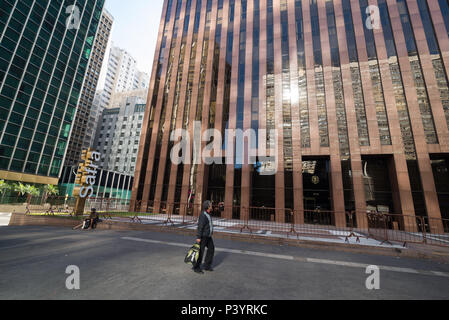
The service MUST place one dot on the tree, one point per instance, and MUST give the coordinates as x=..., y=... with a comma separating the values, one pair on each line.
x=20, y=189
x=50, y=190
x=4, y=186
x=31, y=191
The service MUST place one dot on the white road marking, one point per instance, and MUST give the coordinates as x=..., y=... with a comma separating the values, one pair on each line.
x=260, y=254
x=441, y=274
x=301, y=259
x=337, y=263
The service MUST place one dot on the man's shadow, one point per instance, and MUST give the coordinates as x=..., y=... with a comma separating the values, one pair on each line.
x=219, y=258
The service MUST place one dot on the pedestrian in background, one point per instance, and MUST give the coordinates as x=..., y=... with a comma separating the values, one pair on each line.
x=204, y=238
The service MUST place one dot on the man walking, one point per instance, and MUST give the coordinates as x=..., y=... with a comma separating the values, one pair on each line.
x=204, y=238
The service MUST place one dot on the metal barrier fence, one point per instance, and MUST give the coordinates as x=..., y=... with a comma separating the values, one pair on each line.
x=53, y=205
x=408, y=229
x=254, y=220
x=287, y=222
x=50, y=205
x=34, y=201
x=106, y=204
x=386, y=228
x=166, y=213
x=323, y=218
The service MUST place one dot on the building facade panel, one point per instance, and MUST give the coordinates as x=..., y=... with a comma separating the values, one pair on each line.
x=164, y=67
x=161, y=191
x=204, y=107
x=195, y=92
x=182, y=97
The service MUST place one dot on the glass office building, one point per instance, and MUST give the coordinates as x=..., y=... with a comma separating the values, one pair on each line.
x=83, y=126
x=45, y=49
x=357, y=90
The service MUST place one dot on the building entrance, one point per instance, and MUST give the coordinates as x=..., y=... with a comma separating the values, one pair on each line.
x=440, y=168
x=377, y=172
x=316, y=184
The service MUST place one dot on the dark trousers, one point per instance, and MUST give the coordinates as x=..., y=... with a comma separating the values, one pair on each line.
x=209, y=243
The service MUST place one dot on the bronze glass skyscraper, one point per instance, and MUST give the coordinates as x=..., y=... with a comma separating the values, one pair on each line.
x=357, y=90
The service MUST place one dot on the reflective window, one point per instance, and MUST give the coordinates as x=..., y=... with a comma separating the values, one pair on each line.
x=338, y=83
x=401, y=103
x=302, y=77
x=228, y=67
x=255, y=70
x=444, y=7
x=269, y=77
x=376, y=80
x=286, y=95
x=417, y=74
x=286, y=109
x=437, y=61
x=319, y=76
x=215, y=65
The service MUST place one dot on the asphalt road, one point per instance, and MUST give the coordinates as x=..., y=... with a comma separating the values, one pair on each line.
x=149, y=265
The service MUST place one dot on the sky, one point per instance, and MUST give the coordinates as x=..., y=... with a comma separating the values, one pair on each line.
x=135, y=28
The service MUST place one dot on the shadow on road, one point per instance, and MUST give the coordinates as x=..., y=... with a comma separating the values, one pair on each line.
x=219, y=258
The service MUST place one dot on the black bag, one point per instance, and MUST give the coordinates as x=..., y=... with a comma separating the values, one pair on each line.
x=192, y=254
x=94, y=222
x=86, y=224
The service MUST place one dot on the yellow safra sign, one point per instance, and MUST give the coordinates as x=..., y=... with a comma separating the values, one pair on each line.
x=87, y=174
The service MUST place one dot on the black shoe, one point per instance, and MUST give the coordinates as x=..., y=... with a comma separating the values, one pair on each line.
x=198, y=271
x=209, y=269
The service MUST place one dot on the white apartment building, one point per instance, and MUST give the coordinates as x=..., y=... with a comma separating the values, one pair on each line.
x=122, y=75
x=118, y=135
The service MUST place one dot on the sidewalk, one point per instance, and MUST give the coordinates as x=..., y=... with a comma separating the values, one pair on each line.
x=4, y=219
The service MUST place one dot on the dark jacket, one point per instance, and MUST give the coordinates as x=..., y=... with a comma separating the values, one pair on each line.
x=203, y=226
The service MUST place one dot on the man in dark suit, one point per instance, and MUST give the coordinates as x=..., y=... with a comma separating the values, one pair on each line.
x=204, y=238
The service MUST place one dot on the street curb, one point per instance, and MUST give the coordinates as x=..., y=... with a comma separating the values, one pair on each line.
x=20, y=219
